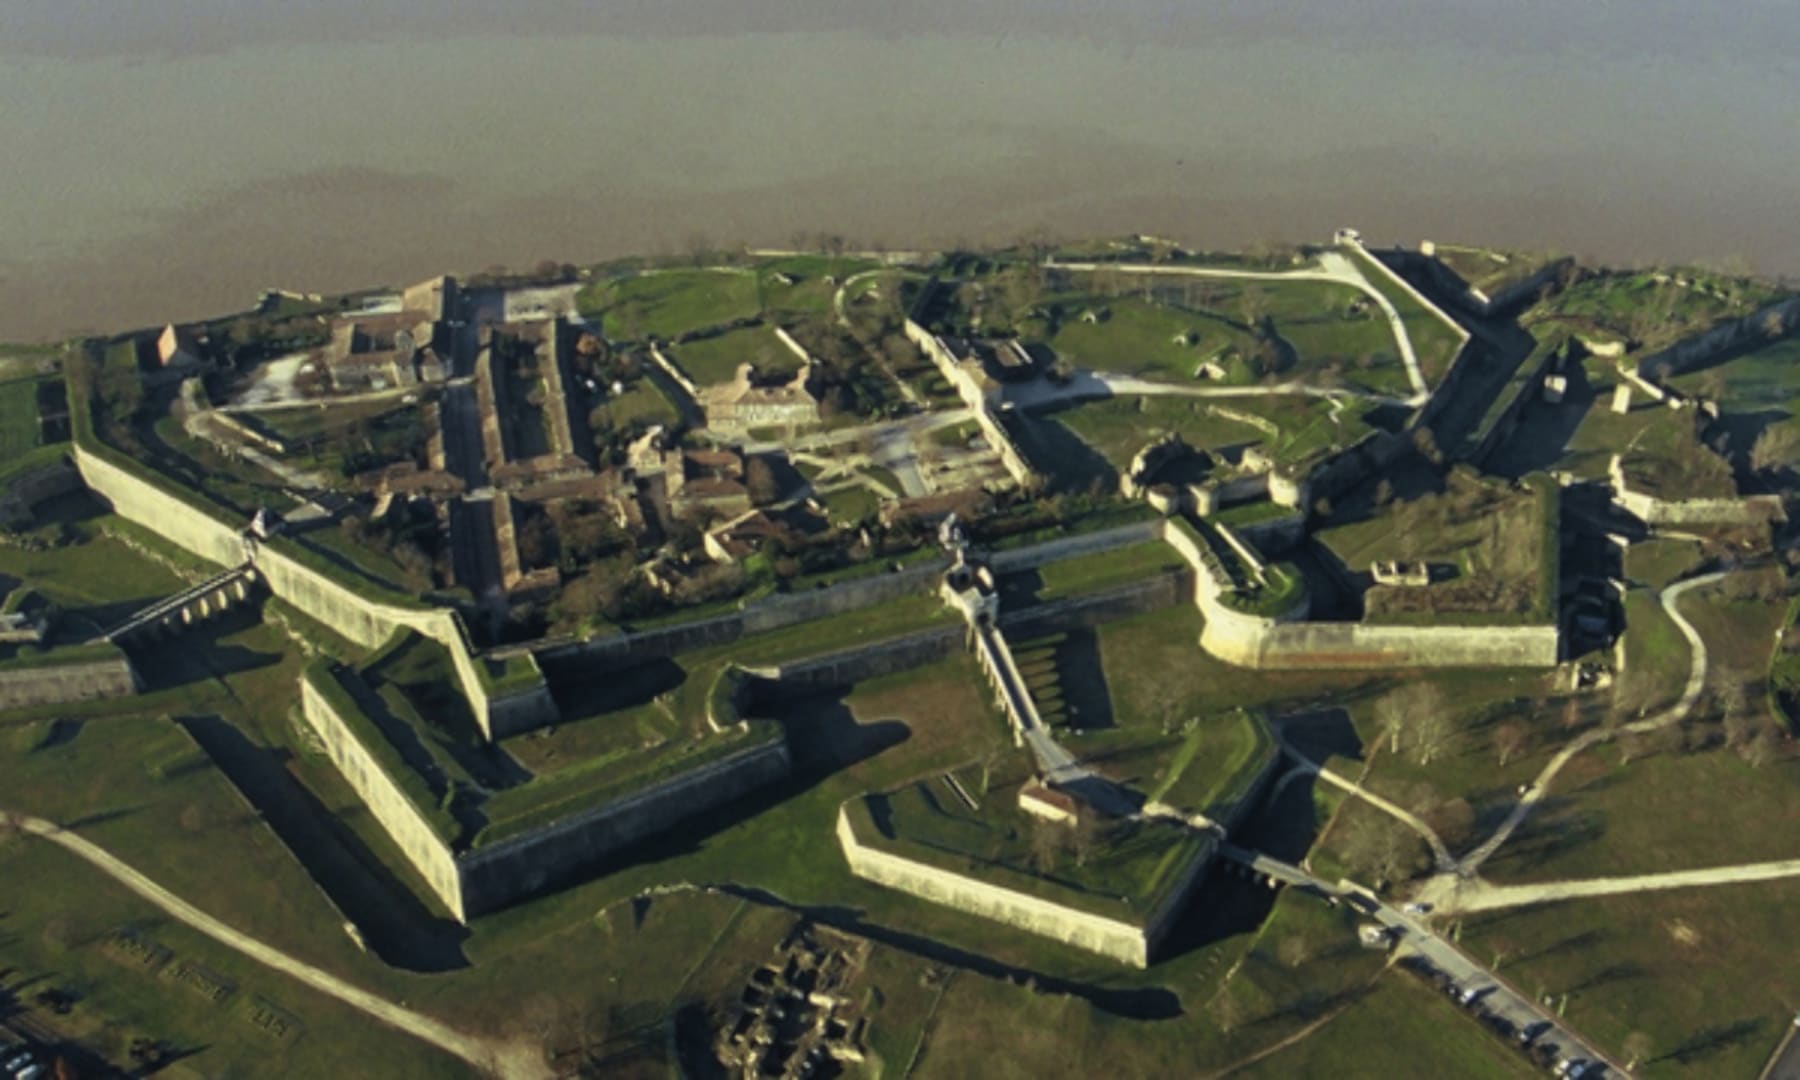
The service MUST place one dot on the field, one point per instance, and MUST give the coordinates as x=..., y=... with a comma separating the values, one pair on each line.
x=96, y=578
x=1434, y=340
x=815, y=281
x=1493, y=272
x=714, y=360
x=1492, y=552
x=1175, y=326
x=1098, y=571
x=1708, y=975
x=1121, y=869
x=641, y=406
x=19, y=428
x=1653, y=313
x=667, y=304
x=1119, y=427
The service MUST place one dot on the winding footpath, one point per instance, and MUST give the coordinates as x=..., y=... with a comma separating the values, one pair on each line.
x=1334, y=268
x=488, y=1058
x=1440, y=854
x=1696, y=683
x=1484, y=897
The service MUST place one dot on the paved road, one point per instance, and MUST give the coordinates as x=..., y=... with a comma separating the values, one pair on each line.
x=510, y=1060
x=1419, y=946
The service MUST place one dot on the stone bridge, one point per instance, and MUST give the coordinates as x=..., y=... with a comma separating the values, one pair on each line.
x=174, y=614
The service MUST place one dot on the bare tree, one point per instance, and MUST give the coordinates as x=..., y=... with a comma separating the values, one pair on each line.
x=1509, y=740
x=1382, y=848
x=1045, y=842
x=1777, y=449
x=1637, y=1048
x=1418, y=716
x=1253, y=305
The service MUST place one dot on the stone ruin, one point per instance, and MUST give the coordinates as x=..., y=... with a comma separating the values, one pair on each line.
x=797, y=1017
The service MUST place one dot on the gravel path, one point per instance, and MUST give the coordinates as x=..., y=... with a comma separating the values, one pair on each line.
x=506, y=1060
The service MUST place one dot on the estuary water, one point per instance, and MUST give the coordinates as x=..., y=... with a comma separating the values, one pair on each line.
x=168, y=158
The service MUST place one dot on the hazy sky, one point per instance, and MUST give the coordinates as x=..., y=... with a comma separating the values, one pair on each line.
x=170, y=157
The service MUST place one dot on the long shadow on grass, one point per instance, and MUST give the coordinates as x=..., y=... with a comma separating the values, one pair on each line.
x=392, y=921
x=825, y=738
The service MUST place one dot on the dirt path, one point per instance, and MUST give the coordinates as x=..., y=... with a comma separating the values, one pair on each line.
x=506, y=1060
x=1690, y=693
x=1334, y=267
x=1439, y=853
x=1480, y=896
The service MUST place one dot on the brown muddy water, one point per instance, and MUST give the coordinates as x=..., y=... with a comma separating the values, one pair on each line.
x=169, y=158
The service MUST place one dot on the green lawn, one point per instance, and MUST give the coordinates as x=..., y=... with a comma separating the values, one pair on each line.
x=1435, y=340
x=1656, y=653
x=1126, y=873
x=1106, y=569
x=96, y=577
x=1119, y=427
x=1660, y=561
x=642, y=405
x=1493, y=549
x=714, y=360
x=1709, y=975
x=1403, y=1029
x=19, y=428
x=667, y=304
x=305, y=422
x=1139, y=338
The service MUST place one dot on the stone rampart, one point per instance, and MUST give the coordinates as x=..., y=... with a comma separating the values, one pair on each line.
x=206, y=534
x=1766, y=326
x=320, y=596
x=1111, y=938
x=968, y=384
x=760, y=616
x=493, y=877
x=1288, y=641
x=1076, y=612
x=1359, y=645
x=26, y=490
x=62, y=683
x=1744, y=510
x=428, y=853
x=871, y=661
x=1069, y=547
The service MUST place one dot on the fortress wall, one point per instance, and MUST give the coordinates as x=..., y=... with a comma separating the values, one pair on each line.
x=1069, y=547
x=493, y=877
x=769, y=613
x=1782, y=318
x=1746, y=510
x=141, y=502
x=418, y=842
x=324, y=599
x=1110, y=938
x=1356, y=645
x=1288, y=641
x=849, y=666
x=1077, y=612
x=975, y=397
x=58, y=684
